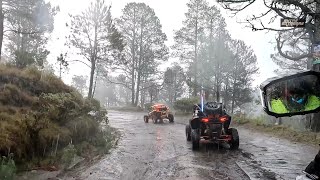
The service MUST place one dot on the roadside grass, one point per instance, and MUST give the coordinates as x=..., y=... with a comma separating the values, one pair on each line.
x=182, y=113
x=259, y=124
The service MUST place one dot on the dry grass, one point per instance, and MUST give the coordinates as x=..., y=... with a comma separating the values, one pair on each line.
x=280, y=131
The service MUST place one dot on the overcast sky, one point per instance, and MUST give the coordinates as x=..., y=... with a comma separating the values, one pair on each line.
x=171, y=15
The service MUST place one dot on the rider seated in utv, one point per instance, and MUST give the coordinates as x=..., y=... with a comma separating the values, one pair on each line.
x=211, y=124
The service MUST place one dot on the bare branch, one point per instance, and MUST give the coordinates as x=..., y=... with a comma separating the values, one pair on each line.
x=22, y=32
x=118, y=83
x=80, y=62
x=241, y=2
x=285, y=55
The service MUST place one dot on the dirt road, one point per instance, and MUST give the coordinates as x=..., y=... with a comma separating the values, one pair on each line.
x=160, y=151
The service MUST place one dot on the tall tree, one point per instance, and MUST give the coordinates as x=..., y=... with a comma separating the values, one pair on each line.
x=244, y=66
x=95, y=36
x=143, y=35
x=173, y=86
x=28, y=23
x=214, y=54
x=187, y=38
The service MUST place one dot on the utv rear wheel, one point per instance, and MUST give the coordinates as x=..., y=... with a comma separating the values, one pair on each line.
x=188, y=132
x=146, y=119
x=195, y=138
x=234, y=144
x=171, y=118
x=195, y=144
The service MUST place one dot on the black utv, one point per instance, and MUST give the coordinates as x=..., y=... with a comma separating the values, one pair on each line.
x=211, y=125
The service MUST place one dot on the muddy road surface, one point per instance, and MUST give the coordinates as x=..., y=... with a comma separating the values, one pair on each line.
x=160, y=151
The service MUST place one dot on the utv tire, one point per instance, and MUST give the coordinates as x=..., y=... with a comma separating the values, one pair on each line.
x=195, y=145
x=146, y=119
x=195, y=138
x=188, y=132
x=234, y=144
x=154, y=119
x=171, y=118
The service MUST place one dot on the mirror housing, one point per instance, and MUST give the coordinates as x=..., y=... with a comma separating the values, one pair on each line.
x=291, y=94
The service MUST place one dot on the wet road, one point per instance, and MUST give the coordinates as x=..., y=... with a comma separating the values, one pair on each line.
x=160, y=151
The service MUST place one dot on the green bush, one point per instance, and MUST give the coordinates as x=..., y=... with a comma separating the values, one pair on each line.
x=38, y=113
x=7, y=168
x=186, y=104
x=68, y=155
x=85, y=149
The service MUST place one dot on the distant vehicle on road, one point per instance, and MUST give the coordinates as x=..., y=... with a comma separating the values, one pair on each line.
x=158, y=113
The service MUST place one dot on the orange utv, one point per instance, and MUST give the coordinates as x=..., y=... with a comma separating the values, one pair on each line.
x=158, y=113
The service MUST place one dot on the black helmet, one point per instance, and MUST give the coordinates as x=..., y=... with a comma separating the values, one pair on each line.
x=297, y=97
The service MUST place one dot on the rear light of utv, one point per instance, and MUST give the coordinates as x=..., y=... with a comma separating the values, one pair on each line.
x=223, y=118
x=205, y=120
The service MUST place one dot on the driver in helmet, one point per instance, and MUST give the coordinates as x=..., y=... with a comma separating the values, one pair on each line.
x=301, y=98
x=297, y=97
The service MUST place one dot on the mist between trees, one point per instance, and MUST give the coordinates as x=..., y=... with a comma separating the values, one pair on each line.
x=134, y=47
x=207, y=57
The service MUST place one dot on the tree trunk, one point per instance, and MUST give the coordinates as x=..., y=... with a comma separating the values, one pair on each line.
x=207, y=91
x=195, y=89
x=133, y=53
x=138, y=90
x=217, y=89
x=93, y=68
x=217, y=75
x=95, y=84
x=232, y=105
x=93, y=61
x=142, y=101
x=139, y=73
x=132, y=86
x=233, y=94
x=206, y=94
x=225, y=98
x=174, y=88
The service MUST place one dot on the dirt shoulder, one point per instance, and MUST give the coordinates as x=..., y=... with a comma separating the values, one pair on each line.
x=305, y=137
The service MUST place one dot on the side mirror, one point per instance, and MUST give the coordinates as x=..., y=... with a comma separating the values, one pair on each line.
x=290, y=95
